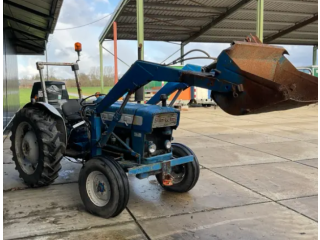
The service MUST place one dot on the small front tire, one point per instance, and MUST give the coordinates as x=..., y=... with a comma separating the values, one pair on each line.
x=185, y=176
x=104, y=187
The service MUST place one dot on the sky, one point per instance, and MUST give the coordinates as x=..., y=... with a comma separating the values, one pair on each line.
x=74, y=13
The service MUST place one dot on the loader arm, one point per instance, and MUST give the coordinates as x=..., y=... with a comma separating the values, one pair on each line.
x=247, y=78
x=141, y=73
x=268, y=80
x=171, y=87
x=167, y=89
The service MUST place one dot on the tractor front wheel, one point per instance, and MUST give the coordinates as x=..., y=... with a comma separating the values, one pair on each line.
x=104, y=187
x=185, y=176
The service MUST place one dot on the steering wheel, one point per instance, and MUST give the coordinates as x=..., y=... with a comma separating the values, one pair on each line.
x=83, y=105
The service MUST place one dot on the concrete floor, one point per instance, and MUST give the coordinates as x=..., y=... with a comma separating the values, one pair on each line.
x=258, y=181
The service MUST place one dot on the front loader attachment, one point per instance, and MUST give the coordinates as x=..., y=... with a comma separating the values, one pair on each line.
x=268, y=80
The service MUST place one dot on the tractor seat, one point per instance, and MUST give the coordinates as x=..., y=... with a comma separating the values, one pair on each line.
x=71, y=110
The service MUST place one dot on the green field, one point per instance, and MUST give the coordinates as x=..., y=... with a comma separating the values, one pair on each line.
x=86, y=91
x=24, y=94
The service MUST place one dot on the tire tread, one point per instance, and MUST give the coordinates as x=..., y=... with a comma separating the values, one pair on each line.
x=52, y=147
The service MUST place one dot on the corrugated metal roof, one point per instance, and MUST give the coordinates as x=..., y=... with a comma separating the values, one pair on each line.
x=29, y=23
x=181, y=19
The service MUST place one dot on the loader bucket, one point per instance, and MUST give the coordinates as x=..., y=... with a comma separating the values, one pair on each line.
x=269, y=81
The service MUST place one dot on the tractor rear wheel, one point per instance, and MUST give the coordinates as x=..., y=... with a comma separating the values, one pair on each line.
x=104, y=187
x=36, y=147
x=185, y=176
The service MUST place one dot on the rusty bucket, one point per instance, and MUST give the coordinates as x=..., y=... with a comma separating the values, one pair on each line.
x=270, y=82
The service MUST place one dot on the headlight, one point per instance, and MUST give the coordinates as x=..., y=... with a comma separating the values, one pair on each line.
x=167, y=144
x=152, y=148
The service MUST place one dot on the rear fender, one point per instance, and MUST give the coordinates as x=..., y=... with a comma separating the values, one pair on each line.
x=61, y=126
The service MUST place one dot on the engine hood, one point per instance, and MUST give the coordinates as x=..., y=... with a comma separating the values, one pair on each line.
x=138, y=117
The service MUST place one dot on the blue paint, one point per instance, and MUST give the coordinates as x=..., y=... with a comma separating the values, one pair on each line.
x=158, y=166
x=167, y=89
x=191, y=67
x=101, y=187
x=159, y=158
x=138, y=139
x=147, y=71
x=140, y=73
x=95, y=135
x=282, y=59
x=227, y=70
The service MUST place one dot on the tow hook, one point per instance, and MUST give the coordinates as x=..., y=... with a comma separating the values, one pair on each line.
x=166, y=176
x=167, y=180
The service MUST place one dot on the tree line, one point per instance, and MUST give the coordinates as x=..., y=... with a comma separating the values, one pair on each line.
x=91, y=79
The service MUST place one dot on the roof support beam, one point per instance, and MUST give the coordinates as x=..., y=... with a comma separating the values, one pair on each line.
x=30, y=10
x=101, y=66
x=175, y=10
x=243, y=30
x=235, y=34
x=213, y=32
x=29, y=44
x=290, y=29
x=181, y=53
x=294, y=14
x=304, y=3
x=116, y=13
x=159, y=27
x=29, y=48
x=205, y=18
x=265, y=22
x=241, y=37
x=50, y=22
x=297, y=40
x=314, y=55
x=25, y=33
x=260, y=16
x=25, y=23
x=216, y=21
x=139, y=94
x=183, y=7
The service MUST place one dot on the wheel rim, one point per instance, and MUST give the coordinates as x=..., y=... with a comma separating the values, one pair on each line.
x=98, y=188
x=27, y=148
x=178, y=173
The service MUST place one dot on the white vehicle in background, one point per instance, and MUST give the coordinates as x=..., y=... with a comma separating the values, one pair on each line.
x=201, y=96
x=312, y=70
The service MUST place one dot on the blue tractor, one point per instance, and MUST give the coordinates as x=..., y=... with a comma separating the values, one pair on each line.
x=113, y=138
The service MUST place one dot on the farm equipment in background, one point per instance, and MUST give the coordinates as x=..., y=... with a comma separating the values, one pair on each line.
x=193, y=96
x=111, y=138
x=312, y=70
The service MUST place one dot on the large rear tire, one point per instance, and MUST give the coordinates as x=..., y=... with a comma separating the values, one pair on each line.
x=104, y=187
x=36, y=146
x=185, y=176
